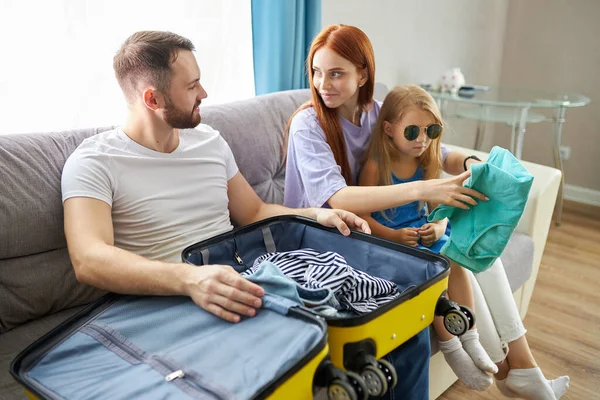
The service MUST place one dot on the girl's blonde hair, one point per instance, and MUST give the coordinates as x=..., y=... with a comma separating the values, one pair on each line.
x=381, y=148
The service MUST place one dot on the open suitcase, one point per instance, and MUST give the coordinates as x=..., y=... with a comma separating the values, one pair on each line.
x=357, y=344
x=126, y=347
x=131, y=347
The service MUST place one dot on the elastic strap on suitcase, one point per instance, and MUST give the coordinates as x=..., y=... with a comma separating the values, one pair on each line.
x=268, y=239
x=205, y=254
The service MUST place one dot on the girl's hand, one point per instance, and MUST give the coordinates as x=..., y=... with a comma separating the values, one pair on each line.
x=451, y=191
x=408, y=236
x=431, y=233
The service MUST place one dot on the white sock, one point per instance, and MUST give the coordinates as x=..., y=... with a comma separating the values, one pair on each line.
x=463, y=366
x=559, y=387
x=470, y=342
x=530, y=384
x=501, y=385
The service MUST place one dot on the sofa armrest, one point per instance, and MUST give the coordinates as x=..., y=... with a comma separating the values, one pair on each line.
x=536, y=218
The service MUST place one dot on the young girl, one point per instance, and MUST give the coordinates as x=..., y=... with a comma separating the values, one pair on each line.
x=405, y=147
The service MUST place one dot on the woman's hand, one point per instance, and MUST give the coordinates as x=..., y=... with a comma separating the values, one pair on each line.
x=341, y=219
x=450, y=191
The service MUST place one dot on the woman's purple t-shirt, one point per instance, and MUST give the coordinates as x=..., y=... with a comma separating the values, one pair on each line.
x=312, y=175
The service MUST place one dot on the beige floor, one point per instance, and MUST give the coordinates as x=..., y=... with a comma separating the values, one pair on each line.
x=563, y=320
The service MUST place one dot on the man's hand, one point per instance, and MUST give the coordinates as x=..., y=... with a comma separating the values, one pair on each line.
x=343, y=220
x=430, y=233
x=408, y=236
x=220, y=290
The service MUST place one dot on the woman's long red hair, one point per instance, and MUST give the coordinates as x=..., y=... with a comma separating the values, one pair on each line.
x=352, y=44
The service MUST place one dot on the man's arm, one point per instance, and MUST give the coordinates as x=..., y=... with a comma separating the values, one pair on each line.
x=97, y=262
x=245, y=207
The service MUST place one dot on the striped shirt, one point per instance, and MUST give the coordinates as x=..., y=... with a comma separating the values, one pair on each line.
x=355, y=290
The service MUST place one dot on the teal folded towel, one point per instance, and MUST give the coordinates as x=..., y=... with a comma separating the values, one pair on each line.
x=480, y=234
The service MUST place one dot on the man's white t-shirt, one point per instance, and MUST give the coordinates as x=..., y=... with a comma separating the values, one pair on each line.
x=160, y=202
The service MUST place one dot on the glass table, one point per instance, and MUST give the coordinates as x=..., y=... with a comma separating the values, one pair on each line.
x=513, y=106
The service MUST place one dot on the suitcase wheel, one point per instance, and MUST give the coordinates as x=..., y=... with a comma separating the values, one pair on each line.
x=377, y=383
x=340, y=390
x=470, y=315
x=456, y=322
x=359, y=385
x=389, y=371
x=444, y=305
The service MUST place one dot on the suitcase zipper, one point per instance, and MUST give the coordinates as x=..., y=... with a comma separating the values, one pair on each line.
x=236, y=256
x=238, y=259
x=191, y=383
x=109, y=339
x=174, y=375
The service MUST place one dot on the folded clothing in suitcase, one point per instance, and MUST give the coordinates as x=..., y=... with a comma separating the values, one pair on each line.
x=130, y=347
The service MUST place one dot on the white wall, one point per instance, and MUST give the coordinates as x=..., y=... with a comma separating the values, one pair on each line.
x=556, y=45
x=416, y=41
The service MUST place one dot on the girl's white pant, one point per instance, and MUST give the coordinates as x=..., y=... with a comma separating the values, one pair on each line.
x=496, y=315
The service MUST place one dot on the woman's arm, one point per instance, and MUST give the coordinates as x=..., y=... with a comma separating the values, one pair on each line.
x=367, y=199
x=245, y=207
x=316, y=168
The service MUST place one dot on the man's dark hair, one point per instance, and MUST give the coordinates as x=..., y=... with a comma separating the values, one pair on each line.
x=147, y=56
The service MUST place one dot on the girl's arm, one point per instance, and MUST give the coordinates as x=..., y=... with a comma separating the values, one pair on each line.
x=455, y=161
x=407, y=236
x=432, y=231
x=442, y=222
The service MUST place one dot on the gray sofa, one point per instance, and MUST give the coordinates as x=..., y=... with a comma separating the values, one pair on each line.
x=38, y=289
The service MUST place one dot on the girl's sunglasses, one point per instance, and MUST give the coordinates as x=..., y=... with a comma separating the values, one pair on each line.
x=412, y=132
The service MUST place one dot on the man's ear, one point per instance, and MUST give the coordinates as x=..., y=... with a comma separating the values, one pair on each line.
x=152, y=98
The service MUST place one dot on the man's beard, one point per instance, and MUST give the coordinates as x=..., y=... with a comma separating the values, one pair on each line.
x=180, y=119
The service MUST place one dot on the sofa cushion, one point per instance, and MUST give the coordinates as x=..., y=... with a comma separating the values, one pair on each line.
x=17, y=340
x=254, y=130
x=36, y=276
x=39, y=284
x=30, y=200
